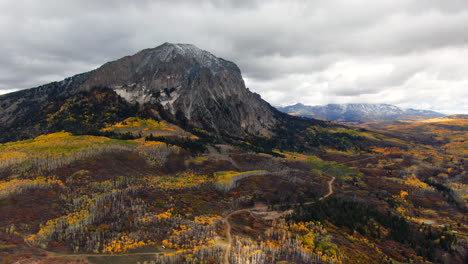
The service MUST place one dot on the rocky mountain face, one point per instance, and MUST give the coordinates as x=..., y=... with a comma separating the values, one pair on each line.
x=207, y=90
x=359, y=113
x=181, y=80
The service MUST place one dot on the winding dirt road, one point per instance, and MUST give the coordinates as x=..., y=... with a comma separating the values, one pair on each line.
x=229, y=238
x=330, y=189
x=228, y=233
x=228, y=225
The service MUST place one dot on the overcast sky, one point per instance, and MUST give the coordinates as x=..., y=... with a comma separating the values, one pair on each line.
x=411, y=53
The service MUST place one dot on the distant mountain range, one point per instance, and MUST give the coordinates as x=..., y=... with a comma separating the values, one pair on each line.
x=359, y=113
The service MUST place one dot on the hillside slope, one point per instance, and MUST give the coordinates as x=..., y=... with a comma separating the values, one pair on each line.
x=67, y=197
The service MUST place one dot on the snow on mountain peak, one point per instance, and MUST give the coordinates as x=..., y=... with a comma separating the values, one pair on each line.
x=168, y=51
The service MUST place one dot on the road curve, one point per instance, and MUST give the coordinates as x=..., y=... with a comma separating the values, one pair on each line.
x=229, y=241
x=228, y=234
x=330, y=189
x=228, y=225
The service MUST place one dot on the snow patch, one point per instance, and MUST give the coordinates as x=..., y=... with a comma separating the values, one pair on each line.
x=134, y=95
x=169, y=51
x=168, y=104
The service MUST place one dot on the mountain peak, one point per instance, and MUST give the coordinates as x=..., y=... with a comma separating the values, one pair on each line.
x=177, y=45
x=180, y=48
x=171, y=51
x=187, y=84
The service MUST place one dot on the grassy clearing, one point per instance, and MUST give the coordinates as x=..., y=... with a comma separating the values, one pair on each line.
x=331, y=168
x=367, y=134
x=179, y=181
x=320, y=166
x=226, y=177
x=226, y=180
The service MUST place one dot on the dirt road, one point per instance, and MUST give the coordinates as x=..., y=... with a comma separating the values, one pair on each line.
x=330, y=189
x=228, y=225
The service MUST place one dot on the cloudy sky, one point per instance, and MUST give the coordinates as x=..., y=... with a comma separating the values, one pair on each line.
x=411, y=53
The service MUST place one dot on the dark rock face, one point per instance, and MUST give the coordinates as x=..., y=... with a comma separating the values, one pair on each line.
x=24, y=114
x=28, y=102
x=359, y=113
x=81, y=112
x=191, y=84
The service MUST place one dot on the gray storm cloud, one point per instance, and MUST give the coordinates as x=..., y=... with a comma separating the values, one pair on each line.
x=408, y=53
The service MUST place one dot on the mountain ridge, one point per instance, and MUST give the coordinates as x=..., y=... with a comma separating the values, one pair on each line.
x=359, y=113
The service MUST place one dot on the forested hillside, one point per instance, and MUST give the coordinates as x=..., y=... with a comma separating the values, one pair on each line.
x=79, y=198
